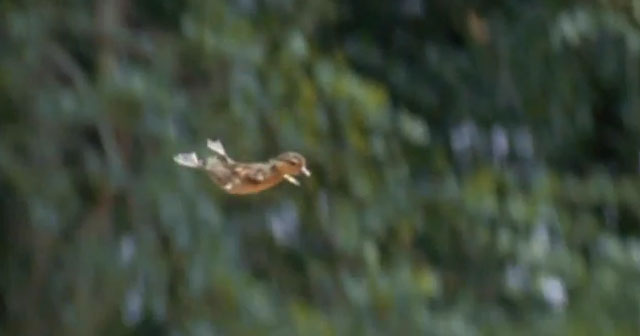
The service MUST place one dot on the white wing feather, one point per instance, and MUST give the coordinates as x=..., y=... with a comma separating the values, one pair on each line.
x=217, y=147
x=188, y=160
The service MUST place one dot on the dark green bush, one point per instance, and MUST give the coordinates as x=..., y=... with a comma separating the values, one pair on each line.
x=475, y=167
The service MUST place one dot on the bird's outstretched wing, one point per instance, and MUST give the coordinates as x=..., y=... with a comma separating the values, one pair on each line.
x=188, y=159
x=216, y=146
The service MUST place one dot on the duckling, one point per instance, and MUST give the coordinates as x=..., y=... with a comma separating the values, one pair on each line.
x=245, y=177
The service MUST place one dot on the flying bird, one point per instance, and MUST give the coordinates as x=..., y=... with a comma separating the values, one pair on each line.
x=245, y=177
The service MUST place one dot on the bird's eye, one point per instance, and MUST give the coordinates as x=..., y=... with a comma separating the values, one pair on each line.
x=292, y=162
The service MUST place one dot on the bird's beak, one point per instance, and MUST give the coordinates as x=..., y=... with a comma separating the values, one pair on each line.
x=291, y=179
x=306, y=171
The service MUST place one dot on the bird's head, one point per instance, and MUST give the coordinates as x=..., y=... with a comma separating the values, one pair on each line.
x=291, y=163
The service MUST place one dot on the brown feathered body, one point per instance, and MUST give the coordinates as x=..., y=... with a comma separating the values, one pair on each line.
x=246, y=177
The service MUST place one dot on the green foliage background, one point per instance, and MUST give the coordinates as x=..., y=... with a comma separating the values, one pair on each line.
x=475, y=167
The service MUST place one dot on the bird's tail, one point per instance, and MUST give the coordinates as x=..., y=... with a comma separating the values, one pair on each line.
x=188, y=160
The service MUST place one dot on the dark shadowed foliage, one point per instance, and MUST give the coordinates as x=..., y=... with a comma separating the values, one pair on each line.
x=475, y=167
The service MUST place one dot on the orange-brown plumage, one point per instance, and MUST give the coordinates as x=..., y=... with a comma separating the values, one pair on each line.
x=246, y=177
